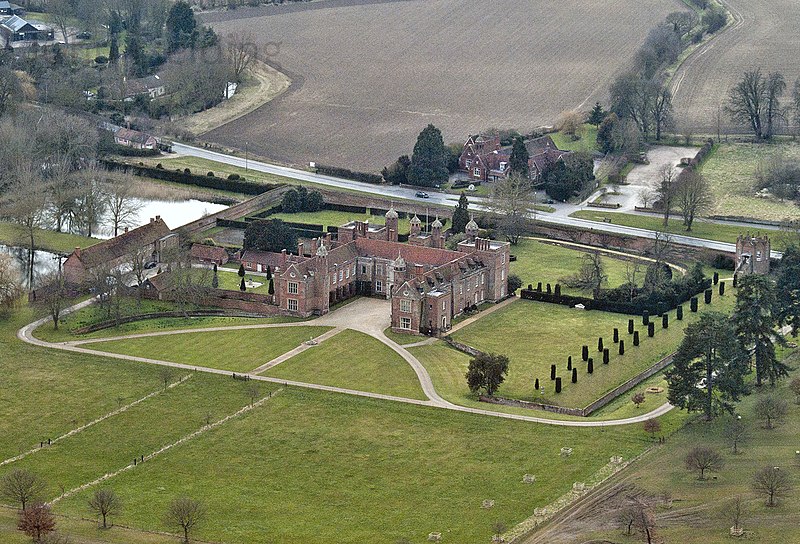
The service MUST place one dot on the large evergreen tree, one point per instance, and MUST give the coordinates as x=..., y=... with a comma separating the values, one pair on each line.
x=755, y=320
x=597, y=115
x=429, y=161
x=270, y=235
x=460, y=215
x=181, y=27
x=788, y=288
x=518, y=162
x=708, y=370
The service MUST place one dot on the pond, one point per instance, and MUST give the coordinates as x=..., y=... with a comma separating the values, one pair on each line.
x=175, y=213
x=44, y=262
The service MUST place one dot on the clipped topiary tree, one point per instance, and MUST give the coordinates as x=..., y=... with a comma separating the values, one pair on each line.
x=242, y=286
x=693, y=304
x=269, y=272
x=558, y=385
x=645, y=318
x=734, y=280
x=622, y=347
x=536, y=384
x=241, y=271
x=630, y=326
x=549, y=289
x=665, y=321
x=679, y=313
x=558, y=289
x=569, y=363
x=606, y=356
x=708, y=296
x=271, y=288
x=585, y=353
x=651, y=329
x=616, y=335
x=552, y=372
x=590, y=365
x=716, y=278
x=574, y=375
x=539, y=287
x=600, y=344
x=721, y=288
x=635, y=338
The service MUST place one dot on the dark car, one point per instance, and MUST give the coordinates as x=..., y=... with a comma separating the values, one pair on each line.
x=421, y=194
x=84, y=35
x=150, y=264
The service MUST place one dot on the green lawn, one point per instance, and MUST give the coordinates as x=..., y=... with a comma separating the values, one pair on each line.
x=402, y=338
x=700, y=229
x=705, y=503
x=94, y=314
x=383, y=471
x=235, y=350
x=532, y=335
x=586, y=142
x=548, y=263
x=335, y=218
x=113, y=443
x=231, y=281
x=731, y=170
x=352, y=360
x=12, y=234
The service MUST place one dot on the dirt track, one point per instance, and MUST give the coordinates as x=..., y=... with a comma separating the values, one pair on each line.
x=764, y=34
x=368, y=77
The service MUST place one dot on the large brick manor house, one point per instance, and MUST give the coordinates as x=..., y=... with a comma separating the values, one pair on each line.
x=427, y=284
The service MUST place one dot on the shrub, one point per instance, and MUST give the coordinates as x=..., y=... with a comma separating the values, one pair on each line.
x=652, y=427
x=716, y=278
x=160, y=166
x=585, y=353
x=536, y=384
x=721, y=288
x=679, y=313
x=101, y=59
x=606, y=356
x=651, y=329
x=558, y=385
x=233, y=177
x=622, y=347
x=723, y=262
x=708, y=296
x=637, y=399
x=714, y=20
x=616, y=335
x=363, y=177
x=645, y=318
x=558, y=289
x=635, y=338
x=590, y=365
x=600, y=344
x=552, y=372
x=665, y=321
x=630, y=326
x=693, y=304
x=514, y=283
x=210, y=174
x=574, y=375
x=187, y=171
x=569, y=362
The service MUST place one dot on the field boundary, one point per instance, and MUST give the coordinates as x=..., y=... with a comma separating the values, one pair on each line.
x=77, y=430
x=166, y=448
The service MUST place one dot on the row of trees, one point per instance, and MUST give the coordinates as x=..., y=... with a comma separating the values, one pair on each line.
x=36, y=519
x=756, y=102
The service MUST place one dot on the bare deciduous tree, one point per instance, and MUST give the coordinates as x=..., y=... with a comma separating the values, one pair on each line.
x=21, y=486
x=241, y=51
x=512, y=200
x=773, y=483
x=24, y=203
x=735, y=513
x=186, y=514
x=736, y=431
x=755, y=102
x=702, y=459
x=693, y=196
x=570, y=122
x=253, y=391
x=592, y=274
x=10, y=287
x=105, y=503
x=771, y=410
x=36, y=521
x=54, y=296
x=121, y=202
x=165, y=375
x=667, y=184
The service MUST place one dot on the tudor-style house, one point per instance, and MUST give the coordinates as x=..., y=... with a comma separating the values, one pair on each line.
x=427, y=284
x=484, y=159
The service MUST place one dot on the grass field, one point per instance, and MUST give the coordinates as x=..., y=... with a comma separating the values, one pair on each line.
x=548, y=263
x=334, y=218
x=699, y=511
x=352, y=360
x=700, y=229
x=12, y=234
x=514, y=330
x=349, y=112
x=731, y=171
x=237, y=351
x=586, y=142
x=384, y=471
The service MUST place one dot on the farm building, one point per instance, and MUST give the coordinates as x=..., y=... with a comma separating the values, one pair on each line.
x=484, y=159
x=752, y=254
x=7, y=8
x=209, y=254
x=153, y=238
x=18, y=32
x=150, y=86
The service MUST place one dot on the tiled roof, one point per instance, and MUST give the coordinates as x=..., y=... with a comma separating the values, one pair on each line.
x=208, y=253
x=267, y=258
x=122, y=245
x=411, y=254
x=132, y=135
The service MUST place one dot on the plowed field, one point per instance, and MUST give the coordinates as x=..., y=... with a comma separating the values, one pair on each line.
x=367, y=77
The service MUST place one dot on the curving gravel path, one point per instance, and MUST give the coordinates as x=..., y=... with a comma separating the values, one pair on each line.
x=370, y=316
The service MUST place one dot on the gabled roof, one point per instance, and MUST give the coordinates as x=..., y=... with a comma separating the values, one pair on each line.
x=410, y=253
x=267, y=258
x=133, y=136
x=124, y=244
x=208, y=253
x=17, y=24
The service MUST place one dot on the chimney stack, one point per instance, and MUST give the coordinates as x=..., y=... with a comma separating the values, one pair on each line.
x=300, y=248
x=283, y=258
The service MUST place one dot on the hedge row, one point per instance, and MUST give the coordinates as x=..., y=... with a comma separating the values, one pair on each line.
x=653, y=307
x=345, y=208
x=349, y=174
x=211, y=182
x=125, y=151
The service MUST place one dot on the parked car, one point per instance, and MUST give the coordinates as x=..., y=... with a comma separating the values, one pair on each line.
x=84, y=35
x=421, y=194
x=150, y=264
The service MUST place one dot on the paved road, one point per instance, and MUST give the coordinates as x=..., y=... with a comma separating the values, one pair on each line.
x=367, y=315
x=560, y=217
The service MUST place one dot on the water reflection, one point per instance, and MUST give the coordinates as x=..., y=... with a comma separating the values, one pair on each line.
x=175, y=213
x=44, y=263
